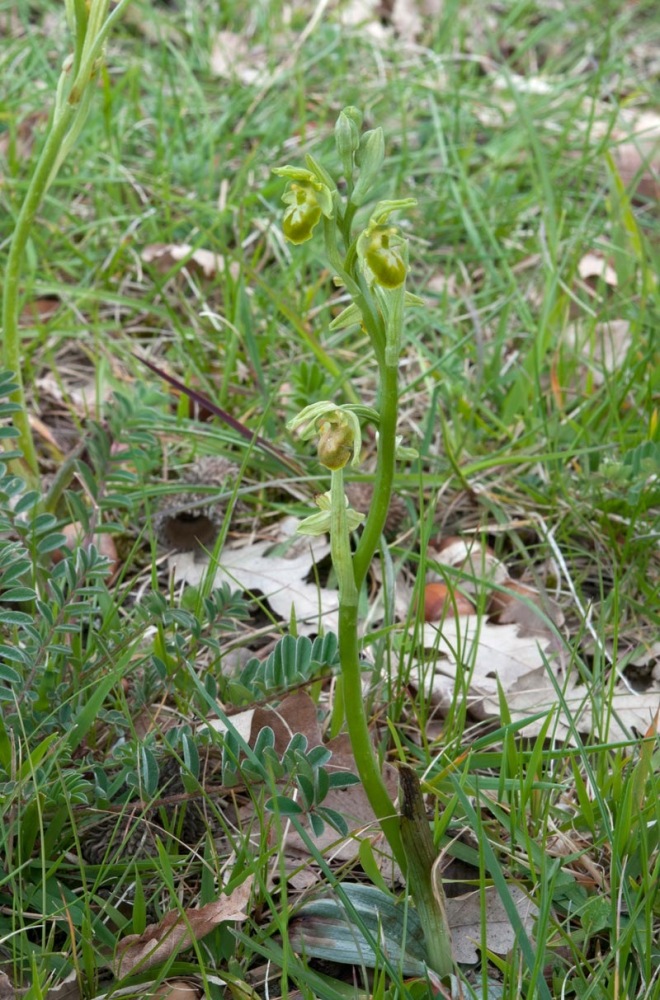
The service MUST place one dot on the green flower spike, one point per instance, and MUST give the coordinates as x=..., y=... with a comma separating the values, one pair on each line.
x=308, y=199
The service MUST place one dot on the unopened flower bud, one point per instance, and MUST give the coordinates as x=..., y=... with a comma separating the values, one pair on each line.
x=369, y=157
x=338, y=430
x=347, y=139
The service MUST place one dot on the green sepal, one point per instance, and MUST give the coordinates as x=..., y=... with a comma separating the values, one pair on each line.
x=321, y=175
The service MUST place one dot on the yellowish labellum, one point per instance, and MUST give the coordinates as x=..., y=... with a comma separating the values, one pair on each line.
x=384, y=259
x=303, y=214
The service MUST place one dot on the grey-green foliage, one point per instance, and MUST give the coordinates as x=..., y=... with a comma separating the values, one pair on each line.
x=300, y=771
x=46, y=611
x=375, y=925
x=294, y=661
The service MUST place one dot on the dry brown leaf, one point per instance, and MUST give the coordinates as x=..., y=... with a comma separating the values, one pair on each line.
x=477, y=655
x=7, y=991
x=68, y=989
x=364, y=14
x=521, y=664
x=173, y=933
x=471, y=557
x=43, y=431
x=296, y=714
x=465, y=920
x=486, y=651
x=603, y=347
x=594, y=265
x=382, y=18
x=83, y=390
x=535, y=692
x=232, y=58
x=164, y=256
x=517, y=604
x=27, y=130
x=637, y=154
x=241, y=722
x=406, y=20
x=74, y=534
x=39, y=311
x=442, y=601
x=176, y=989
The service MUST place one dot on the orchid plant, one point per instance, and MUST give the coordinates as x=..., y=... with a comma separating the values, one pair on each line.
x=372, y=264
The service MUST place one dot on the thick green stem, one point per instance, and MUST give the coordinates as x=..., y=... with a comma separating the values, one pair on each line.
x=356, y=720
x=373, y=529
x=358, y=730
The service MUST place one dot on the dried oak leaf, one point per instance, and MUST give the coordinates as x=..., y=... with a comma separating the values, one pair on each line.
x=177, y=931
x=464, y=914
x=165, y=256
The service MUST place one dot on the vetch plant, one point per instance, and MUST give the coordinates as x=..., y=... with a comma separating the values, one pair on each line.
x=372, y=265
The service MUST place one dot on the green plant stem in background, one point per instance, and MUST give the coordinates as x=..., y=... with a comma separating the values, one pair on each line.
x=74, y=93
x=12, y=341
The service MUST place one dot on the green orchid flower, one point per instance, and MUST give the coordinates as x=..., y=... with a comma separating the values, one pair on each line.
x=309, y=197
x=381, y=249
x=338, y=431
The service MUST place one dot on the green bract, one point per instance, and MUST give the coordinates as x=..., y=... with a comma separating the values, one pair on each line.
x=350, y=316
x=321, y=522
x=308, y=199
